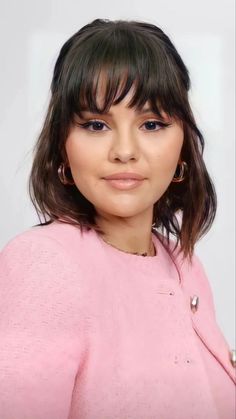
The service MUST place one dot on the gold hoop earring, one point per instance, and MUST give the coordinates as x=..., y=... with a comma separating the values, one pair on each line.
x=179, y=175
x=62, y=176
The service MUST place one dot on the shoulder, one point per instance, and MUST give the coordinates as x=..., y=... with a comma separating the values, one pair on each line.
x=186, y=265
x=40, y=261
x=54, y=247
x=41, y=247
x=43, y=237
x=174, y=250
x=193, y=273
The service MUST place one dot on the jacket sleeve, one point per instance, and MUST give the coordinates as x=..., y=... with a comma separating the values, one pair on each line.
x=41, y=329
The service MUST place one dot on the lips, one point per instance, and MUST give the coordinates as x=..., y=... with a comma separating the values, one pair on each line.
x=124, y=181
x=124, y=176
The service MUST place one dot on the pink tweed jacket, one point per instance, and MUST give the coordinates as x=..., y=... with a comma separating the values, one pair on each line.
x=90, y=332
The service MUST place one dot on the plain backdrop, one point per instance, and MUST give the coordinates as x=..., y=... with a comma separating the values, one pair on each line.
x=31, y=34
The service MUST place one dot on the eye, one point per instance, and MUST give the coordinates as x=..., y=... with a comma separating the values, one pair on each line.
x=94, y=125
x=154, y=125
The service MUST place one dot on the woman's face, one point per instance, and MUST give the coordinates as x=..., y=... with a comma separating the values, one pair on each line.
x=123, y=161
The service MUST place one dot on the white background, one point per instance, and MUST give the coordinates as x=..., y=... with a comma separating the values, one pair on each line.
x=31, y=34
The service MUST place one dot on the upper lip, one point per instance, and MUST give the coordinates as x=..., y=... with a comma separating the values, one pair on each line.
x=126, y=175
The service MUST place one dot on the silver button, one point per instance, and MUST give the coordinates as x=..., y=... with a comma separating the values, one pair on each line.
x=233, y=357
x=194, y=303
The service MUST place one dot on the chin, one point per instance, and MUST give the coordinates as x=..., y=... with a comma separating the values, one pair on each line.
x=123, y=211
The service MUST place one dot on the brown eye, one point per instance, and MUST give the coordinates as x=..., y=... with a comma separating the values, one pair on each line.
x=94, y=126
x=155, y=125
x=150, y=125
x=97, y=126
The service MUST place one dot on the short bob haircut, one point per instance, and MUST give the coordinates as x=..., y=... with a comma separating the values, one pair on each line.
x=128, y=54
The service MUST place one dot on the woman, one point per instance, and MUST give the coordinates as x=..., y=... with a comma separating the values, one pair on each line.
x=103, y=316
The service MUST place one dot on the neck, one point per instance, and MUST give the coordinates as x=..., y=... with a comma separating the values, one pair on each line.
x=132, y=235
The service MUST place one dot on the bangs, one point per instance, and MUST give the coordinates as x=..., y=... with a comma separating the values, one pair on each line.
x=100, y=71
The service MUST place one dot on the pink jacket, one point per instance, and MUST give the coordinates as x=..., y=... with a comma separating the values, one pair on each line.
x=89, y=332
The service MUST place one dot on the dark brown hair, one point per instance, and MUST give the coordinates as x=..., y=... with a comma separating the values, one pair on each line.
x=148, y=59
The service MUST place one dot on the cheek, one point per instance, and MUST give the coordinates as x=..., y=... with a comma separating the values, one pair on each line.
x=166, y=156
x=81, y=158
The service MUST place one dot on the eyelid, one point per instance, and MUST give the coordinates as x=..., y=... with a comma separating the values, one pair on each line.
x=158, y=121
x=91, y=121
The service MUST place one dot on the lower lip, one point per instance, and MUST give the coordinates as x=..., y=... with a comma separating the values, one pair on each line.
x=124, y=184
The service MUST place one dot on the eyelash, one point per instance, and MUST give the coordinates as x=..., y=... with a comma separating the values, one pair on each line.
x=88, y=124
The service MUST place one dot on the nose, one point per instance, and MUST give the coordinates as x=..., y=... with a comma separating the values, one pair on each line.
x=124, y=147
